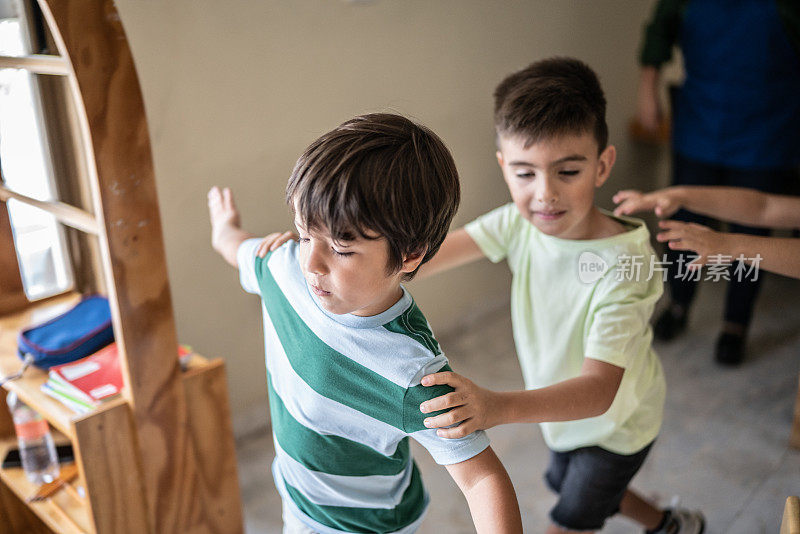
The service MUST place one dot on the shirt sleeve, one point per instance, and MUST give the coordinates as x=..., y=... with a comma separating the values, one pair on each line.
x=493, y=232
x=444, y=451
x=661, y=33
x=246, y=260
x=619, y=318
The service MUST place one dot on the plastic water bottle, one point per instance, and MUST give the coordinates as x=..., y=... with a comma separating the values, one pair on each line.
x=36, y=448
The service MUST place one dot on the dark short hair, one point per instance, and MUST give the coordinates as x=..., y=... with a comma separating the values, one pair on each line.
x=378, y=174
x=549, y=98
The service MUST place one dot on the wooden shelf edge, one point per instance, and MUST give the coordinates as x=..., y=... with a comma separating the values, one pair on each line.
x=61, y=513
x=28, y=387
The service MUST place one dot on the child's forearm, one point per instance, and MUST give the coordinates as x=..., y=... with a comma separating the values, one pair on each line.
x=576, y=398
x=489, y=492
x=777, y=255
x=493, y=505
x=740, y=205
x=226, y=239
x=457, y=249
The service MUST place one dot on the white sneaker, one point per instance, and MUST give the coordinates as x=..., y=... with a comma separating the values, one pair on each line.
x=684, y=521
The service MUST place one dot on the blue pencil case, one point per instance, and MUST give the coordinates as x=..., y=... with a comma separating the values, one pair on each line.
x=75, y=334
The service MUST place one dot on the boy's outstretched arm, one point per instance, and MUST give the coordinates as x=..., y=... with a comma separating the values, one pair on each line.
x=457, y=249
x=588, y=395
x=492, y=501
x=734, y=204
x=226, y=231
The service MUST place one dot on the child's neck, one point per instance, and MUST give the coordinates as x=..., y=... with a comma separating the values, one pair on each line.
x=381, y=305
x=599, y=225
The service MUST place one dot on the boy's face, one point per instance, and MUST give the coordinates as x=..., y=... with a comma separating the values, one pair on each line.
x=350, y=276
x=552, y=182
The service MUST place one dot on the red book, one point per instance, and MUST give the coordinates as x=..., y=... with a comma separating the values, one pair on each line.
x=98, y=376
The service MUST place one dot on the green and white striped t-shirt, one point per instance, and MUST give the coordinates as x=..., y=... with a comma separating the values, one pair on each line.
x=344, y=394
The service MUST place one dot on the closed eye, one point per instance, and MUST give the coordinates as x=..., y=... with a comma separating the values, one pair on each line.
x=569, y=173
x=342, y=253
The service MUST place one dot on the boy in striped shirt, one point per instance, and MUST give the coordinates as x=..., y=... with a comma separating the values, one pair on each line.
x=346, y=346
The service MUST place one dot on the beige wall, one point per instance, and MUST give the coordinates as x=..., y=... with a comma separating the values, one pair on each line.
x=235, y=90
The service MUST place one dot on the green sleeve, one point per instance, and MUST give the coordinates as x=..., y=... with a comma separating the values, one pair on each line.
x=789, y=11
x=661, y=33
x=416, y=395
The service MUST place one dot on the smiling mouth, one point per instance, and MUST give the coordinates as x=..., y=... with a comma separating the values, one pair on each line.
x=549, y=215
x=319, y=291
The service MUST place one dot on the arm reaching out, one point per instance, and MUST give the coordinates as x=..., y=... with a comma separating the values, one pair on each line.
x=734, y=204
x=587, y=395
x=779, y=255
x=226, y=231
x=457, y=249
x=492, y=501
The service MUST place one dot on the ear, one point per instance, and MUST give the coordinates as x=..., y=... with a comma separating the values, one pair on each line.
x=605, y=163
x=412, y=261
x=499, y=158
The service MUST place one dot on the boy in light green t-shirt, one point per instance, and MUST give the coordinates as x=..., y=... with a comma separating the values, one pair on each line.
x=584, y=286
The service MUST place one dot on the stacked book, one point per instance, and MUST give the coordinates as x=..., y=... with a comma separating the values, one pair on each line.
x=83, y=384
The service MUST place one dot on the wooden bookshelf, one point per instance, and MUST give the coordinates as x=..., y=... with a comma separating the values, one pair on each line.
x=63, y=512
x=159, y=458
x=28, y=387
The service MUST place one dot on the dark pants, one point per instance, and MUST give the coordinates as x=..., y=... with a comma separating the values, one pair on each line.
x=590, y=483
x=741, y=294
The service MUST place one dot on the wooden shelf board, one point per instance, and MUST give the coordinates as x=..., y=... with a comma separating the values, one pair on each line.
x=76, y=511
x=28, y=387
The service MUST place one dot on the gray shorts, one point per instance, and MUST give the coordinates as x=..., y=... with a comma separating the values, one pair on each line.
x=590, y=483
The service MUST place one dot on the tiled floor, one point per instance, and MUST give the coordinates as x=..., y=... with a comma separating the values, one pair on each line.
x=723, y=447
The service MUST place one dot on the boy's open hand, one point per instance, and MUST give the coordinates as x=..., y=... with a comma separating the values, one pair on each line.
x=222, y=209
x=662, y=202
x=710, y=246
x=472, y=406
x=273, y=241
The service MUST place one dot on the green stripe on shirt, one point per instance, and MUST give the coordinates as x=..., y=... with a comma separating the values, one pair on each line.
x=412, y=417
x=413, y=324
x=365, y=520
x=334, y=455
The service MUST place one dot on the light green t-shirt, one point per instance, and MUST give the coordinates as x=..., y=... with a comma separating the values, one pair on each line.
x=572, y=299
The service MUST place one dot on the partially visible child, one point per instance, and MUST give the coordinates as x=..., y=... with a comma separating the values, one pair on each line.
x=581, y=325
x=346, y=346
x=734, y=204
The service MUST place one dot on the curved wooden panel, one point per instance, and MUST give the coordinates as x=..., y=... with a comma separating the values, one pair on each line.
x=105, y=87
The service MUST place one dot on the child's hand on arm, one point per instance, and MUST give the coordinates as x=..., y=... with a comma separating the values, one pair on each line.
x=587, y=395
x=471, y=405
x=273, y=241
x=226, y=231
x=489, y=492
x=664, y=202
